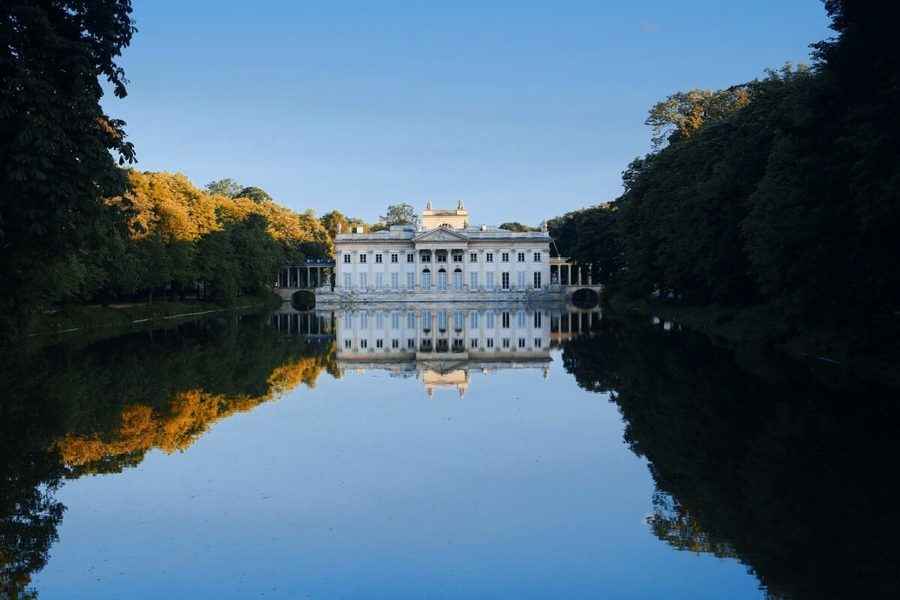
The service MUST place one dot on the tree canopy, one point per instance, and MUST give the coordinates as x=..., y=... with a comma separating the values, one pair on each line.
x=399, y=214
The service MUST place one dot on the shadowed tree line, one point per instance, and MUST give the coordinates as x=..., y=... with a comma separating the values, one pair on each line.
x=99, y=407
x=782, y=468
x=780, y=192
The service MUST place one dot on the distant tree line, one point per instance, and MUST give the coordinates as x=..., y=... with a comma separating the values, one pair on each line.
x=783, y=191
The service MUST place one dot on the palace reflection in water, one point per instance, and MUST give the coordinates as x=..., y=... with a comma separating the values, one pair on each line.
x=441, y=344
x=136, y=465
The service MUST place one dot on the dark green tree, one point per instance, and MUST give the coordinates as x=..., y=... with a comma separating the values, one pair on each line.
x=224, y=187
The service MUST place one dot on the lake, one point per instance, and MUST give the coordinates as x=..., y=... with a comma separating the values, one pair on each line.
x=440, y=451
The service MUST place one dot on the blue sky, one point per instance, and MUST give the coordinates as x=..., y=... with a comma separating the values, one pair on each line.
x=523, y=110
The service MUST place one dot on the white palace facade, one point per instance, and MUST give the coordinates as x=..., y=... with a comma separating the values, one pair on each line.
x=445, y=256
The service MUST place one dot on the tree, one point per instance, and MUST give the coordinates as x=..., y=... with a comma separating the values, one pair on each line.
x=400, y=214
x=335, y=222
x=256, y=194
x=682, y=114
x=224, y=187
x=516, y=226
x=58, y=149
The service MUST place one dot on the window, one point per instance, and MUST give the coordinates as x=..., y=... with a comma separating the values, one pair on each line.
x=489, y=257
x=426, y=321
x=379, y=320
x=363, y=343
x=506, y=342
x=490, y=280
x=459, y=320
x=378, y=258
x=473, y=320
x=395, y=344
x=348, y=282
x=537, y=257
x=489, y=319
x=395, y=258
x=504, y=257
x=505, y=320
x=425, y=256
x=490, y=342
x=505, y=281
x=457, y=279
x=442, y=280
x=520, y=318
x=457, y=257
x=520, y=279
x=362, y=258
x=346, y=259
x=426, y=279
x=347, y=344
x=379, y=280
x=473, y=342
x=521, y=342
x=537, y=342
x=473, y=257
x=395, y=280
x=410, y=258
x=379, y=343
x=442, y=320
x=473, y=279
x=410, y=344
x=537, y=280
x=411, y=320
x=410, y=280
x=363, y=282
x=395, y=321
x=363, y=320
x=520, y=257
x=537, y=318
x=441, y=256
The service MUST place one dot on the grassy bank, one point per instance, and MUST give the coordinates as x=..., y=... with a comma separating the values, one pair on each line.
x=125, y=315
x=837, y=353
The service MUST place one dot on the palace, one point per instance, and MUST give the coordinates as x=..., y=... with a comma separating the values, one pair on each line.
x=444, y=256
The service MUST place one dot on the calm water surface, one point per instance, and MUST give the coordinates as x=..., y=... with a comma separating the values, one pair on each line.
x=443, y=452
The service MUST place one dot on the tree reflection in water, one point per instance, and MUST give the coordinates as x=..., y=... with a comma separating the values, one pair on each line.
x=776, y=464
x=98, y=407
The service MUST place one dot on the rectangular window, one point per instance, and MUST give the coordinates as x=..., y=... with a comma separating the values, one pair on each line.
x=537, y=280
x=395, y=344
x=473, y=279
x=410, y=344
x=379, y=280
x=379, y=343
x=378, y=258
x=489, y=320
x=395, y=258
x=379, y=320
x=520, y=279
x=520, y=318
x=490, y=342
x=521, y=342
x=489, y=257
x=473, y=342
x=410, y=258
x=425, y=257
x=362, y=258
x=537, y=318
x=473, y=319
x=506, y=342
x=520, y=257
x=537, y=257
x=458, y=320
x=364, y=343
x=395, y=280
x=490, y=280
x=364, y=320
x=505, y=281
x=347, y=344
x=504, y=257
x=473, y=257
x=347, y=280
x=363, y=282
x=395, y=320
x=441, y=257
x=537, y=342
x=346, y=258
x=457, y=257
x=504, y=320
x=410, y=280
x=348, y=320
x=411, y=320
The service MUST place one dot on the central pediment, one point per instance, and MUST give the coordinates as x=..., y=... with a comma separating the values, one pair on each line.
x=440, y=235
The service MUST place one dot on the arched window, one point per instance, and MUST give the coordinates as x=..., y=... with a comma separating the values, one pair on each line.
x=426, y=279
x=442, y=280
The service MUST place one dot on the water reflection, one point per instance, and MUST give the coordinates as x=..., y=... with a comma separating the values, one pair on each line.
x=753, y=459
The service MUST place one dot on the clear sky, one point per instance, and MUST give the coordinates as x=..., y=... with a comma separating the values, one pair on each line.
x=523, y=110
